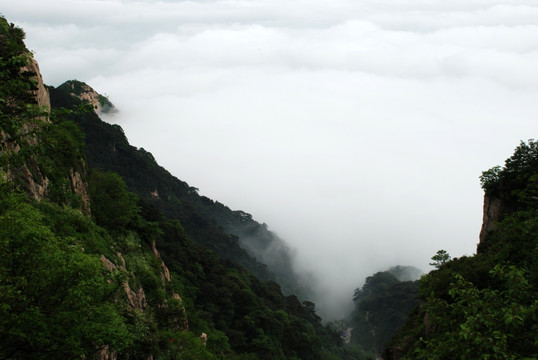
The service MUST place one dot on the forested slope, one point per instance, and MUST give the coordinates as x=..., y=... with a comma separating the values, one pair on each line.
x=231, y=234
x=382, y=306
x=485, y=306
x=90, y=270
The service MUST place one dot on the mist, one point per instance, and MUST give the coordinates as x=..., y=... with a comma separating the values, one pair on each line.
x=357, y=130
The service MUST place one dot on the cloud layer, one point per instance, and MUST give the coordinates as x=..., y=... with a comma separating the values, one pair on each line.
x=356, y=129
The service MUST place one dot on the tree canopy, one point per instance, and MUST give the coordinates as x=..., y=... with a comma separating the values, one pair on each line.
x=484, y=306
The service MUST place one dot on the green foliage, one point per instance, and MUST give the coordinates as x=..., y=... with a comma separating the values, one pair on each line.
x=38, y=146
x=67, y=222
x=242, y=316
x=440, y=259
x=381, y=308
x=490, y=178
x=47, y=284
x=482, y=323
x=184, y=346
x=63, y=141
x=207, y=222
x=51, y=276
x=514, y=241
x=107, y=189
x=60, y=155
x=57, y=299
x=484, y=306
x=73, y=285
x=515, y=172
x=19, y=111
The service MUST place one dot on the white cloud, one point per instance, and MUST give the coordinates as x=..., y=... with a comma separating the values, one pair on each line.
x=356, y=129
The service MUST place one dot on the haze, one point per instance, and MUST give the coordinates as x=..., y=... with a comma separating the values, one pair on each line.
x=356, y=129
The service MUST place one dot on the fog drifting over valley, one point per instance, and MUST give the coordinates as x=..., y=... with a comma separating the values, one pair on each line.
x=356, y=129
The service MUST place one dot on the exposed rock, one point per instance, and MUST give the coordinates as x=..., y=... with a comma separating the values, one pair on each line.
x=154, y=249
x=137, y=300
x=33, y=181
x=347, y=335
x=429, y=327
x=80, y=188
x=204, y=338
x=123, y=266
x=165, y=274
x=41, y=93
x=107, y=263
x=106, y=354
x=85, y=93
x=29, y=173
x=185, y=320
x=491, y=215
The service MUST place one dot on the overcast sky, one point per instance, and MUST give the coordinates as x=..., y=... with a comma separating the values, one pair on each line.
x=356, y=129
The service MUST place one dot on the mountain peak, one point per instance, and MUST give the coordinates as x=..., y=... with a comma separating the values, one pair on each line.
x=86, y=93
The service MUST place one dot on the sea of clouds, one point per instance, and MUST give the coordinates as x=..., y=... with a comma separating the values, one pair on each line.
x=357, y=129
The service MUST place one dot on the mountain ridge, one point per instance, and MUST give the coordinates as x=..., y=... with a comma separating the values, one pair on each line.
x=241, y=238
x=122, y=280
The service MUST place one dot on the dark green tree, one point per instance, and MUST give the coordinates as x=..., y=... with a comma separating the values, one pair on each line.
x=56, y=301
x=381, y=308
x=439, y=259
x=112, y=205
x=482, y=323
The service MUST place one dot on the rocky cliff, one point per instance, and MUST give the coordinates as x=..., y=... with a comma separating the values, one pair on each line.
x=88, y=95
x=492, y=213
x=40, y=92
x=23, y=168
x=17, y=136
x=470, y=300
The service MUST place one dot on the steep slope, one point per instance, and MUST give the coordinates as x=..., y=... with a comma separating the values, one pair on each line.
x=382, y=306
x=24, y=109
x=120, y=281
x=57, y=267
x=27, y=134
x=485, y=306
x=233, y=235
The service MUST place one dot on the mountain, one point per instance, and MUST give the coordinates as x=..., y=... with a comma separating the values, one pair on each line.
x=484, y=306
x=91, y=270
x=231, y=234
x=382, y=306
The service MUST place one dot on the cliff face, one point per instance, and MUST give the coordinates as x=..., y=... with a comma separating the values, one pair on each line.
x=25, y=169
x=31, y=151
x=28, y=173
x=491, y=214
x=80, y=187
x=502, y=276
x=41, y=93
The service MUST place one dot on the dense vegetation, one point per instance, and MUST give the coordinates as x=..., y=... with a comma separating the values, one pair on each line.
x=104, y=252
x=382, y=306
x=485, y=306
x=120, y=277
x=231, y=234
